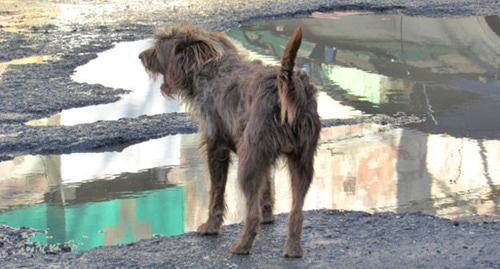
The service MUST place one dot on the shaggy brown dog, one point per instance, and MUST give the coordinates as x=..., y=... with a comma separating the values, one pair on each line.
x=260, y=112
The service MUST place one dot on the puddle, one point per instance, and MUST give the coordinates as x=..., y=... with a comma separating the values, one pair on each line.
x=448, y=73
x=94, y=199
x=116, y=68
x=446, y=70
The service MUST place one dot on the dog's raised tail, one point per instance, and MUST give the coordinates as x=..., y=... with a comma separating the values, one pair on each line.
x=286, y=89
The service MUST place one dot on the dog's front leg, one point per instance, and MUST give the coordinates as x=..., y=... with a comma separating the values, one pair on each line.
x=218, y=163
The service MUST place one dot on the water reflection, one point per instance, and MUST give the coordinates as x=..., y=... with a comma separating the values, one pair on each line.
x=95, y=199
x=357, y=168
x=116, y=68
x=446, y=70
x=371, y=64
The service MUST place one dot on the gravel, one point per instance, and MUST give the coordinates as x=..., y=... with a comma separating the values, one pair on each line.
x=331, y=238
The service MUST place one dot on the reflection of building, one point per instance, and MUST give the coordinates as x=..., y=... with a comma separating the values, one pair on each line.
x=360, y=168
x=357, y=167
x=109, y=222
x=95, y=199
x=380, y=171
x=443, y=45
x=443, y=69
x=120, y=196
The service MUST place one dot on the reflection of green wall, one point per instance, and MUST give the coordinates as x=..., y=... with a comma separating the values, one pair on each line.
x=168, y=203
x=367, y=86
x=33, y=216
x=275, y=41
x=355, y=81
x=83, y=224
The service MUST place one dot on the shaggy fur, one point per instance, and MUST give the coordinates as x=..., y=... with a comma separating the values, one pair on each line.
x=259, y=112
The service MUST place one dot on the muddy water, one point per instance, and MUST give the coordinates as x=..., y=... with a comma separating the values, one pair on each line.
x=445, y=70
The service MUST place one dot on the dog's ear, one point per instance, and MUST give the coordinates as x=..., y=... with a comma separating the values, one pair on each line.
x=195, y=48
x=185, y=52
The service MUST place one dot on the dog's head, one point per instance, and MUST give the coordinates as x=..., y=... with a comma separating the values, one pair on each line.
x=179, y=54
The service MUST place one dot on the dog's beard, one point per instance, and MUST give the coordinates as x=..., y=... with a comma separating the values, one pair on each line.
x=168, y=91
x=152, y=75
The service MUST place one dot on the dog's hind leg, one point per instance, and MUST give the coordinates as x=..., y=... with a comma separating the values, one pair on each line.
x=267, y=198
x=301, y=172
x=218, y=164
x=252, y=168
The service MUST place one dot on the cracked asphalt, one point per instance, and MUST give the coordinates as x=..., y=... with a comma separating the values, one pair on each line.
x=332, y=238
x=38, y=90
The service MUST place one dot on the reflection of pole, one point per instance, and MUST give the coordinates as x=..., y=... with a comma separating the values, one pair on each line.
x=401, y=38
x=56, y=213
x=497, y=77
x=52, y=167
x=428, y=105
x=401, y=54
x=486, y=172
x=56, y=224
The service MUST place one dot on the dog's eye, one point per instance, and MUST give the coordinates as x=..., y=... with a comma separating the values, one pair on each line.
x=179, y=48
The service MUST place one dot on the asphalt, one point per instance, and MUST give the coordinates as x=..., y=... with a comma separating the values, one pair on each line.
x=34, y=91
x=331, y=238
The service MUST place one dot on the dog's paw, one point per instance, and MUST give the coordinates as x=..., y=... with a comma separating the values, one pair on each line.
x=292, y=249
x=207, y=229
x=267, y=215
x=240, y=249
x=269, y=219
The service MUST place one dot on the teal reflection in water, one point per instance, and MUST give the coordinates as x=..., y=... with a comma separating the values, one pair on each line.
x=93, y=224
x=445, y=70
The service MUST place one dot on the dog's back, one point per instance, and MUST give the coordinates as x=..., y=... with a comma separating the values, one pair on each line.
x=283, y=100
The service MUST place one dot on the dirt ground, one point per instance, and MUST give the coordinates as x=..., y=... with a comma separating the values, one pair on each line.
x=42, y=42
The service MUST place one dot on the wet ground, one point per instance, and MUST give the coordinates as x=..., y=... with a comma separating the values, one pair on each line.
x=409, y=120
x=67, y=34
x=331, y=239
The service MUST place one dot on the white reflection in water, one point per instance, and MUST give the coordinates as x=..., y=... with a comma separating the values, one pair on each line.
x=78, y=167
x=358, y=167
x=120, y=67
x=364, y=167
